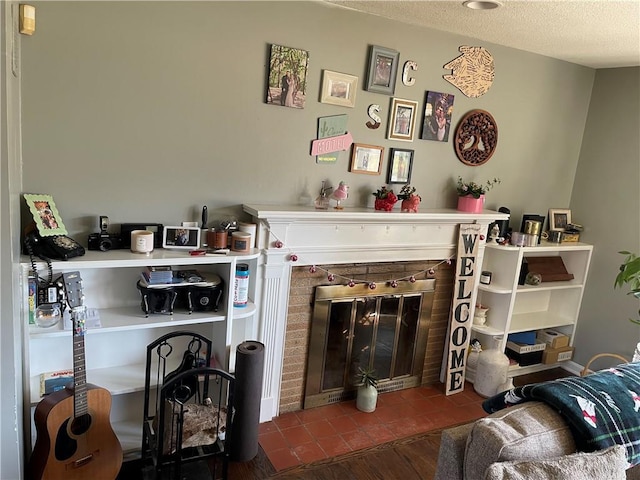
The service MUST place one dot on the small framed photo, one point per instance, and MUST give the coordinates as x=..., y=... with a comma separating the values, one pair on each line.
x=400, y=162
x=338, y=89
x=559, y=219
x=366, y=159
x=45, y=214
x=402, y=120
x=383, y=68
x=181, y=238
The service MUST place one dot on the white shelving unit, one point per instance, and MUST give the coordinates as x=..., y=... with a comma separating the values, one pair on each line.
x=517, y=308
x=116, y=351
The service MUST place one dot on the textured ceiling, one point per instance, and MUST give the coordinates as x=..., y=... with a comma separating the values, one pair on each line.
x=596, y=33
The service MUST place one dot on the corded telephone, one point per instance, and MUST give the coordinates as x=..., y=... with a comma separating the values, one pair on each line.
x=57, y=247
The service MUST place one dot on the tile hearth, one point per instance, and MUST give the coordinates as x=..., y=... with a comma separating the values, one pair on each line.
x=306, y=436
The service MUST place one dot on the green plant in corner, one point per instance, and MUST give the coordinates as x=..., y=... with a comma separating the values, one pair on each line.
x=629, y=275
x=475, y=189
x=367, y=377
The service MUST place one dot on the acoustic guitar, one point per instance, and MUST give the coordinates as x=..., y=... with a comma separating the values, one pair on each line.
x=74, y=436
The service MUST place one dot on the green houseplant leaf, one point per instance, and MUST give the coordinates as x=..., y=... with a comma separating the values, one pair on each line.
x=629, y=275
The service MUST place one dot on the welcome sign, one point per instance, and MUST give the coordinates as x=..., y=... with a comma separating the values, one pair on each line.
x=462, y=308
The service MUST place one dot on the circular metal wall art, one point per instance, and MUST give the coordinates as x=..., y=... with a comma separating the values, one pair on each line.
x=476, y=138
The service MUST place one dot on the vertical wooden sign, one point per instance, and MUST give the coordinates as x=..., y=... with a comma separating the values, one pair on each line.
x=462, y=307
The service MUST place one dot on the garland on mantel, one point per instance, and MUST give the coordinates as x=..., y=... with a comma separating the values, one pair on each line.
x=293, y=257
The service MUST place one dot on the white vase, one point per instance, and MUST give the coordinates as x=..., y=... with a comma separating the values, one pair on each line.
x=493, y=366
x=367, y=398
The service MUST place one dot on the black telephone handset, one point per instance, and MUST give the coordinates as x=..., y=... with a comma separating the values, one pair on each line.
x=56, y=247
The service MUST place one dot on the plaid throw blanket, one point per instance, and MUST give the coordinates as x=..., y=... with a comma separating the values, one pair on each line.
x=602, y=409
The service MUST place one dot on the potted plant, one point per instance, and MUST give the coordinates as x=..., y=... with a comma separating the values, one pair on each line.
x=629, y=275
x=410, y=199
x=367, y=396
x=471, y=194
x=385, y=199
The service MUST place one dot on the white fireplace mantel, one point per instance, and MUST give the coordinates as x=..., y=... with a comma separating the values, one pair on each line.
x=352, y=235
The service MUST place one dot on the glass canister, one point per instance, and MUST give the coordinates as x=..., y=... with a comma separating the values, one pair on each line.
x=241, y=286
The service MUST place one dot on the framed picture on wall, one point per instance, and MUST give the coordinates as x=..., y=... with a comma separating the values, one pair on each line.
x=438, y=109
x=400, y=162
x=287, y=77
x=559, y=219
x=383, y=68
x=366, y=159
x=402, y=120
x=338, y=89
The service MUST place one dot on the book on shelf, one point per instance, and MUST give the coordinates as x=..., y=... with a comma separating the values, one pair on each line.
x=523, y=348
x=158, y=274
x=53, y=381
x=182, y=278
x=33, y=299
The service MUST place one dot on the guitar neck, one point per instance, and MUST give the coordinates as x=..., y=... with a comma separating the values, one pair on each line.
x=79, y=367
x=73, y=288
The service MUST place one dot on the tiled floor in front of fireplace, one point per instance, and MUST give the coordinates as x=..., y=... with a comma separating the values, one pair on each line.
x=307, y=436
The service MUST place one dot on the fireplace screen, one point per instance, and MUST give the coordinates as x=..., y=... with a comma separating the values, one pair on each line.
x=385, y=329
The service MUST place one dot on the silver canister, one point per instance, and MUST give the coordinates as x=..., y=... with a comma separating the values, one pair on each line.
x=531, y=240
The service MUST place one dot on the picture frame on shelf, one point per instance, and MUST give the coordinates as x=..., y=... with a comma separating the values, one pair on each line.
x=45, y=215
x=181, y=238
x=402, y=120
x=534, y=217
x=400, y=164
x=383, y=69
x=559, y=219
x=338, y=89
x=366, y=159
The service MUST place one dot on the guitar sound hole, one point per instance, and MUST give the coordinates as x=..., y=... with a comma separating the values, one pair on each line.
x=65, y=445
x=81, y=424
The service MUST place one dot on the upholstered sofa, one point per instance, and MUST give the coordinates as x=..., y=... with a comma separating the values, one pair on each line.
x=529, y=441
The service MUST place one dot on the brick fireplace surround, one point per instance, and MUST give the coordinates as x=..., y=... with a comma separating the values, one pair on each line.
x=358, y=242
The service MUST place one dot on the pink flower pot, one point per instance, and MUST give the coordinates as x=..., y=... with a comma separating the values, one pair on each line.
x=470, y=204
x=411, y=204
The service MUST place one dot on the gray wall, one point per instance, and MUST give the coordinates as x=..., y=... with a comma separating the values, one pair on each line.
x=606, y=198
x=147, y=111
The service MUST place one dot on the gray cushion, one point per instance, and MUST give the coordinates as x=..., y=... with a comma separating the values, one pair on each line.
x=451, y=455
x=606, y=464
x=529, y=431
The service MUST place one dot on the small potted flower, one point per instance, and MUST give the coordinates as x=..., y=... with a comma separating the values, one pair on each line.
x=410, y=199
x=471, y=194
x=385, y=199
x=367, y=396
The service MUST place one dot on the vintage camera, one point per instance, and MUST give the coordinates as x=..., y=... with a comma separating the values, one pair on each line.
x=104, y=241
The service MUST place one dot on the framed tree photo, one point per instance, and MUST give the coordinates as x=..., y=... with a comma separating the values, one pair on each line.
x=338, y=89
x=287, y=77
x=383, y=68
x=400, y=163
x=402, y=120
x=366, y=159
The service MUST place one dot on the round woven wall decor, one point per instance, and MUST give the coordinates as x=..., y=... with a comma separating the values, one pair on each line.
x=476, y=138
